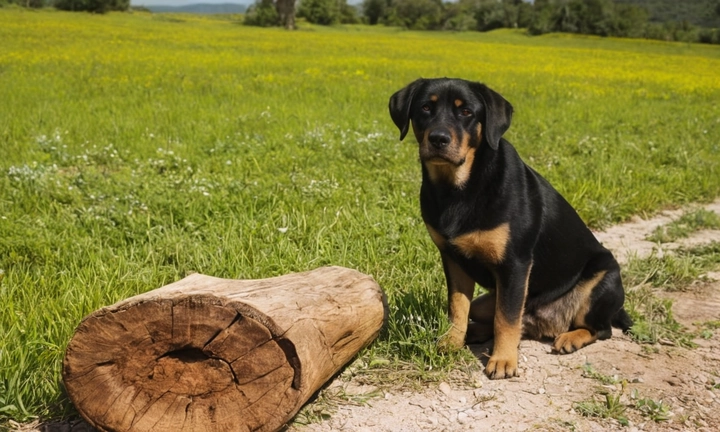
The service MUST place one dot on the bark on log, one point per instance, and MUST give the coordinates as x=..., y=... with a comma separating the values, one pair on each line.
x=206, y=353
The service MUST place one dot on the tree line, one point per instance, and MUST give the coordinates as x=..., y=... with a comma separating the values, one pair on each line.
x=650, y=19
x=96, y=6
x=619, y=18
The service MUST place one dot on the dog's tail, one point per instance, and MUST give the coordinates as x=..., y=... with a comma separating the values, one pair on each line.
x=622, y=320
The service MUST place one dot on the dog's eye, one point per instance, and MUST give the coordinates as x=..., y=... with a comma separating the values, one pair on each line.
x=426, y=108
x=465, y=112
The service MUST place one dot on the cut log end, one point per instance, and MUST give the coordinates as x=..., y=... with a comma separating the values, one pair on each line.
x=206, y=353
x=192, y=356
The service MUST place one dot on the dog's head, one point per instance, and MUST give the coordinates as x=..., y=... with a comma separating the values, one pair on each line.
x=451, y=118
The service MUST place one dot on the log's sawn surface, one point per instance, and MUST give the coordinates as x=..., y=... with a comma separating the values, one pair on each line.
x=206, y=353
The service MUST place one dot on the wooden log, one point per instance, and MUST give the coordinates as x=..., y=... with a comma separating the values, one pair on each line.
x=206, y=353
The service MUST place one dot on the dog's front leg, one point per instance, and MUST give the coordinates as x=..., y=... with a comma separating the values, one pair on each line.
x=461, y=288
x=510, y=301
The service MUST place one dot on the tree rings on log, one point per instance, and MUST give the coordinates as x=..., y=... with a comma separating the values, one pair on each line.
x=206, y=353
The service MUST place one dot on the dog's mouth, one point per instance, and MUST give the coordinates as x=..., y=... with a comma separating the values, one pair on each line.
x=441, y=161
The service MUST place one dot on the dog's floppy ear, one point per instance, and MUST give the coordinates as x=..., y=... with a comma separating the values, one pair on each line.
x=400, y=103
x=498, y=113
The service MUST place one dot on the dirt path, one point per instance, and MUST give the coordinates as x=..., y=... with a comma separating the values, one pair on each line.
x=544, y=397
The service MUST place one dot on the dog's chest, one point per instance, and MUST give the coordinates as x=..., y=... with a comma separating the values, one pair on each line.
x=486, y=245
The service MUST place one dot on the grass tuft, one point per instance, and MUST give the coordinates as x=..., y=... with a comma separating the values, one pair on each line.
x=688, y=223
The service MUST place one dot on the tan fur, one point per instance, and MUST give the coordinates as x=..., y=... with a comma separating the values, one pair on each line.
x=434, y=98
x=488, y=245
x=504, y=360
x=573, y=340
x=458, y=103
x=436, y=237
x=460, y=292
x=552, y=319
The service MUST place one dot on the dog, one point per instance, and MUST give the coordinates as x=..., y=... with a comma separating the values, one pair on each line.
x=499, y=223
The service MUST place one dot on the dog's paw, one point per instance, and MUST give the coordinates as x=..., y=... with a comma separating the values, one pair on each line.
x=572, y=341
x=499, y=368
x=453, y=340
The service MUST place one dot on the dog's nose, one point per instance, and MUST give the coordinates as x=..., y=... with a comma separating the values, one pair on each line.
x=439, y=138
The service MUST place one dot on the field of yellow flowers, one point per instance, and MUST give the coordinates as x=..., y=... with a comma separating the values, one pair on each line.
x=136, y=148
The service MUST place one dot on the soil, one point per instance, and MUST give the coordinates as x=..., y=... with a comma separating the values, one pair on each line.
x=545, y=396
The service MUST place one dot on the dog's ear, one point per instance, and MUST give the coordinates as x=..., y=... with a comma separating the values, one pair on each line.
x=498, y=113
x=400, y=103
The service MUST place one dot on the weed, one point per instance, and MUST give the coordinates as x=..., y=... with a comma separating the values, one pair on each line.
x=610, y=407
x=656, y=411
x=590, y=372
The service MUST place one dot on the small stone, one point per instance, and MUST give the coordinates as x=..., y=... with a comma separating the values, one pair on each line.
x=541, y=391
x=462, y=418
x=445, y=388
x=463, y=400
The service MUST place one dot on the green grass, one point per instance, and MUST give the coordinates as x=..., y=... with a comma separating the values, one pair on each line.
x=686, y=224
x=652, y=316
x=608, y=406
x=136, y=148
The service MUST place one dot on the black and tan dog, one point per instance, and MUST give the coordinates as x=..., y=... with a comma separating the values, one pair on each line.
x=497, y=222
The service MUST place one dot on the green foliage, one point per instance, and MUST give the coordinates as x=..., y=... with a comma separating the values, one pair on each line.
x=597, y=17
x=610, y=407
x=657, y=411
x=262, y=14
x=374, y=10
x=704, y=13
x=96, y=6
x=416, y=14
x=327, y=12
x=324, y=12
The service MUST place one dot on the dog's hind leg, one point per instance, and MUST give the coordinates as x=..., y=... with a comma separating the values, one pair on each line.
x=602, y=299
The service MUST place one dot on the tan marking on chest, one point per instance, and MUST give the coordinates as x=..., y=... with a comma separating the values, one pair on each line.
x=489, y=245
x=436, y=237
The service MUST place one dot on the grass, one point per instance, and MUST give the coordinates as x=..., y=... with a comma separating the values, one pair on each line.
x=686, y=224
x=138, y=148
x=654, y=321
x=590, y=372
x=608, y=406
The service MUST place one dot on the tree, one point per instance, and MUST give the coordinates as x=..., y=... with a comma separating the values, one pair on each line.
x=374, y=10
x=96, y=6
x=286, y=12
x=269, y=13
x=324, y=12
x=262, y=14
x=348, y=13
x=416, y=14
